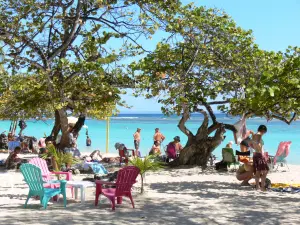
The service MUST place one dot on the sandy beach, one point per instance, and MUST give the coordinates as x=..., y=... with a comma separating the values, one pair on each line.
x=173, y=196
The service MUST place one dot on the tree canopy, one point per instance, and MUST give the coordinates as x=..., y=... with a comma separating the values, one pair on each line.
x=207, y=57
x=59, y=54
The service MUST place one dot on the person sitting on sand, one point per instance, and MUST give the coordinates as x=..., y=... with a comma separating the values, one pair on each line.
x=174, y=148
x=96, y=156
x=155, y=150
x=124, y=152
x=10, y=137
x=13, y=161
x=260, y=164
x=24, y=148
x=75, y=151
x=229, y=144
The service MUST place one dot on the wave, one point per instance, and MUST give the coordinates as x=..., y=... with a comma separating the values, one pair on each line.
x=125, y=117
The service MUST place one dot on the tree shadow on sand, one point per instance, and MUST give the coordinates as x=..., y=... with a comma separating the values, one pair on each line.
x=243, y=205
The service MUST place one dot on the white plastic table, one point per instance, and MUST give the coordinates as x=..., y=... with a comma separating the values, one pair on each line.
x=82, y=185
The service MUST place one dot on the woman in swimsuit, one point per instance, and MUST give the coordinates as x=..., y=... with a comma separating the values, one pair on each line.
x=260, y=164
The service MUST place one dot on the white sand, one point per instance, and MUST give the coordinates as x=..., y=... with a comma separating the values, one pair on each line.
x=181, y=196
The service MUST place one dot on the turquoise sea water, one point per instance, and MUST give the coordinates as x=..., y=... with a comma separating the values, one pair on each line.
x=123, y=126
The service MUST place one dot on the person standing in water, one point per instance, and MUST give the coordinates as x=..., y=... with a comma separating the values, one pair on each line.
x=88, y=141
x=260, y=164
x=137, y=140
x=158, y=136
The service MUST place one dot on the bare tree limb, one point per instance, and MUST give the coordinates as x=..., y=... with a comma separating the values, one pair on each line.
x=33, y=63
x=181, y=124
x=70, y=37
x=218, y=102
x=210, y=111
x=284, y=119
x=203, y=129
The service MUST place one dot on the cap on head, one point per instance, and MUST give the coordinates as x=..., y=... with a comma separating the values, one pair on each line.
x=177, y=138
x=138, y=129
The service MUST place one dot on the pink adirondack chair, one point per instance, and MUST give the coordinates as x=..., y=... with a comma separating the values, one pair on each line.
x=282, y=152
x=46, y=174
x=126, y=178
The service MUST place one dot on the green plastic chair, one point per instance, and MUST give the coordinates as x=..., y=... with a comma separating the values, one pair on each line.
x=33, y=177
x=228, y=157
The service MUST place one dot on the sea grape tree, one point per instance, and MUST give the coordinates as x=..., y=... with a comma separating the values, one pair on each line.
x=204, y=60
x=67, y=55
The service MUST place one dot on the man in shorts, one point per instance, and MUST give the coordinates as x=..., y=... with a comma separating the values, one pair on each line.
x=158, y=136
x=137, y=140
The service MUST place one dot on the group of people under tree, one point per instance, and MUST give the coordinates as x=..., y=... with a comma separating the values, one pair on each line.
x=257, y=168
x=172, y=149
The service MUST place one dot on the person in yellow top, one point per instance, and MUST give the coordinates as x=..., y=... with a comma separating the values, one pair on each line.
x=137, y=140
x=158, y=136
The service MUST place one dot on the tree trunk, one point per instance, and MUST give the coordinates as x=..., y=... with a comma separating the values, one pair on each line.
x=56, y=127
x=78, y=125
x=200, y=146
x=198, y=152
x=142, y=184
x=65, y=140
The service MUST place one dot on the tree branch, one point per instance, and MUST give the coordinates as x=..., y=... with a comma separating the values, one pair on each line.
x=114, y=29
x=218, y=102
x=70, y=38
x=33, y=63
x=202, y=131
x=210, y=111
x=181, y=124
x=284, y=119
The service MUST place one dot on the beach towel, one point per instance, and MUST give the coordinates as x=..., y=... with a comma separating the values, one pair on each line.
x=97, y=168
x=291, y=190
x=241, y=128
x=285, y=185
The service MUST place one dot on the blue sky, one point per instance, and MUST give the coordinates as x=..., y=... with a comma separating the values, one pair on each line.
x=275, y=25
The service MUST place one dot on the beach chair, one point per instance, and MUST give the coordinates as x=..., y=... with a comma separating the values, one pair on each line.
x=33, y=177
x=123, y=157
x=126, y=178
x=46, y=174
x=228, y=157
x=281, y=154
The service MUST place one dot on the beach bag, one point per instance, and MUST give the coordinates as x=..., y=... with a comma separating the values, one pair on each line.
x=221, y=166
x=171, y=151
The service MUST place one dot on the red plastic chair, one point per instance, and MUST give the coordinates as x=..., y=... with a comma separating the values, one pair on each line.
x=123, y=156
x=126, y=178
x=46, y=174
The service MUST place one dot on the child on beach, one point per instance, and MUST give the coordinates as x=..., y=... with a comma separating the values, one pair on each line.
x=260, y=164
